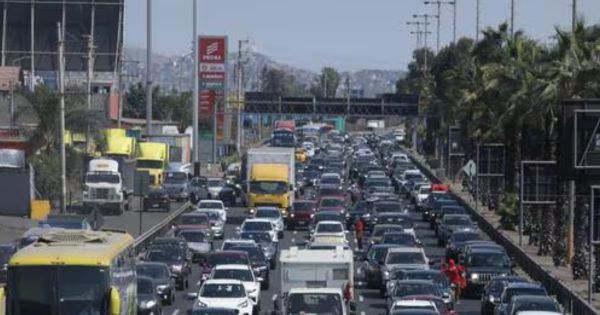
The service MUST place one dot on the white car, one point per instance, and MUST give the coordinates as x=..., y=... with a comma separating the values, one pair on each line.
x=225, y=293
x=309, y=148
x=230, y=243
x=332, y=228
x=212, y=204
x=423, y=193
x=217, y=219
x=272, y=214
x=414, y=304
x=262, y=225
x=239, y=272
x=401, y=157
x=214, y=185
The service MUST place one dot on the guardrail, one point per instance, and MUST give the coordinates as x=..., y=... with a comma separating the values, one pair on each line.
x=571, y=302
x=161, y=228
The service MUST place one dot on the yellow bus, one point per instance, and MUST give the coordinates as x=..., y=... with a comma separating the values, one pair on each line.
x=73, y=272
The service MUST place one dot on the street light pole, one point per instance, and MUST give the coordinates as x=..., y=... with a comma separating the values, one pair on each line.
x=454, y=22
x=240, y=89
x=512, y=19
x=438, y=4
x=61, y=118
x=477, y=21
x=148, y=66
x=195, y=94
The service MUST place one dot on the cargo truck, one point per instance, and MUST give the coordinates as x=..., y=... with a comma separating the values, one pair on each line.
x=180, y=146
x=271, y=177
x=317, y=281
x=154, y=158
x=109, y=185
x=120, y=147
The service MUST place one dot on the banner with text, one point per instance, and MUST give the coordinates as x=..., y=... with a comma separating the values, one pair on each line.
x=212, y=73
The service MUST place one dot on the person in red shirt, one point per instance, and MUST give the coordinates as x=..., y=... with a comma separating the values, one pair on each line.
x=359, y=230
x=455, y=273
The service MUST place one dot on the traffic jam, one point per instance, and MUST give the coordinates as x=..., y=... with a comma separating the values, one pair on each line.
x=322, y=222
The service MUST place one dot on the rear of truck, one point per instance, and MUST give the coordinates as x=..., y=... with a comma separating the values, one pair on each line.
x=271, y=178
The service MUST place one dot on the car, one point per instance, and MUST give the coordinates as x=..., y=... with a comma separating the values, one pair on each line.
x=176, y=184
x=405, y=304
x=214, y=186
x=388, y=206
x=436, y=210
x=212, y=311
x=360, y=209
x=175, y=258
x=225, y=293
x=300, y=214
x=522, y=303
x=198, y=243
x=198, y=189
x=408, y=258
x=272, y=214
x=192, y=221
x=309, y=148
x=148, y=302
x=230, y=194
x=400, y=238
x=381, y=229
x=227, y=257
x=517, y=289
x=332, y=179
x=157, y=198
x=332, y=203
x=175, y=241
x=228, y=244
x=457, y=241
x=451, y=223
x=263, y=239
x=6, y=251
x=446, y=210
x=482, y=264
x=239, y=272
x=394, y=218
x=69, y=222
x=373, y=261
x=217, y=219
x=258, y=262
x=439, y=278
x=422, y=193
x=493, y=290
x=334, y=228
x=161, y=275
x=439, y=303
x=264, y=225
x=211, y=204
x=325, y=216
x=403, y=288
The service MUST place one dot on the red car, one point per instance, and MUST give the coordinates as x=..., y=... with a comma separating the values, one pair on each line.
x=439, y=303
x=300, y=214
x=226, y=257
x=193, y=221
x=332, y=203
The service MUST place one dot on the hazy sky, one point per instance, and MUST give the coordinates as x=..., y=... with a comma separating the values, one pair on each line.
x=347, y=34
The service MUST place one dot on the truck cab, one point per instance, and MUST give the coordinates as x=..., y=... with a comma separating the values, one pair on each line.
x=153, y=158
x=269, y=186
x=104, y=186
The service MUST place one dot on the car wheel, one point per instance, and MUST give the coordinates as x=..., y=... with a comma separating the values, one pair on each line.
x=265, y=284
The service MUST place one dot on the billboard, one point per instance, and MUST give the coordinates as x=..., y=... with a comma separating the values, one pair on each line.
x=212, y=74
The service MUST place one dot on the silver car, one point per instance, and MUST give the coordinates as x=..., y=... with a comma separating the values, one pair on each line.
x=272, y=214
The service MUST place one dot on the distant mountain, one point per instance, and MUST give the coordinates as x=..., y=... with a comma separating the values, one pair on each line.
x=175, y=72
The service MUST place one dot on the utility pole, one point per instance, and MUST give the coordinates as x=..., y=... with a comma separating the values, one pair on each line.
x=240, y=88
x=438, y=4
x=425, y=17
x=454, y=22
x=512, y=19
x=148, y=67
x=61, y=118
x=574, y=16
x=196, y=93
x=90, y=74
x=419, y=33
x=571, y=183
x=477, y=21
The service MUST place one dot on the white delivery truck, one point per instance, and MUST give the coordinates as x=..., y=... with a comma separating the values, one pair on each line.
x=271, y=177
x=108, y=185
x=316, y=281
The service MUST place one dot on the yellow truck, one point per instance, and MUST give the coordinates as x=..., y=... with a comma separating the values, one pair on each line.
x=120, y=147
x=153, y=157
x=271, y=177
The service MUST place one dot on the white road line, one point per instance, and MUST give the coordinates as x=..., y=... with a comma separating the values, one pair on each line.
x=175, y=312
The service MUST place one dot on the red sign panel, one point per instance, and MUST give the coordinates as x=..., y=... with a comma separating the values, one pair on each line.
x=212, y=49
x=207, y=101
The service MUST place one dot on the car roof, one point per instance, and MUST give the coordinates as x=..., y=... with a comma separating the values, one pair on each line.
x=415, y=281
x=232, y=267
x=403, y=249
x=533, y=285
x=223, y=281
x=330, y=222
x=144, y=278
x=257, y=220
x=413, y=302
x=533, y=298
x=228, y=252
x=210, y=200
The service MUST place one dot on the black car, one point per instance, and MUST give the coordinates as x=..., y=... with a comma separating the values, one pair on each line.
x=230, y=193
x=457, y=241
x=157, y=198
x=492, y=291
x=6, y=251
x=258, y=261
x=147, y=299
x=175, y=258
x=373, y=261
x=482, y=264
x=263, y=239
x=177, y=241
x=161, y=275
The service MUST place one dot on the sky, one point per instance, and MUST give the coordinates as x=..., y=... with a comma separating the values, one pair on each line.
x=346, y=34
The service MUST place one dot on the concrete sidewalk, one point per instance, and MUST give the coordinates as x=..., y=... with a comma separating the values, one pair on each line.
x=580, y=287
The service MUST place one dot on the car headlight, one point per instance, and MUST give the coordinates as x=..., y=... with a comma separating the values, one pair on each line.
x=292, y=215
x=148, y=304
x=474, y=276
x=161, y=288
x=386, y=275
x=176, y=268
x=492, y=299
x=243, y=304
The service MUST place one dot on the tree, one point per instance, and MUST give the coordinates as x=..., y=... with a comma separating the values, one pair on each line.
x=326, y=83
x=279, y=82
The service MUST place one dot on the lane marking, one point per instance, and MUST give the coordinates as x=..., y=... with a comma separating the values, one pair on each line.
x=175, y=312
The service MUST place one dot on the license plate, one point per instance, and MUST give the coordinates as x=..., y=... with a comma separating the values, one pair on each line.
x=156, y=205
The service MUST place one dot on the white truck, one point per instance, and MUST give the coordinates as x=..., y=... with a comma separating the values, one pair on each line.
x=108, y=185
x=271, y=177
x=317, y=281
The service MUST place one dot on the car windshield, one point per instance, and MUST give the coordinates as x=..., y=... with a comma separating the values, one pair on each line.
x=380, y=230
x=195, y=237
x=332, y=202
x=522, y=291
x=436, y=277
x=329, y=228
x=165, y=254
x=257, y=226
x=394, y=258
x=211, y=290
x=255, y=254
x=212, y=215
x=144, y=286
x=267, y=213
x=70, y=224
x=303, y=206
x=377, y=183
x=388, y=207
x=194, y=220
x=215, y=183
x=406, y=289
x=457, y=221
x=330, y=192
x=244, y=275
x=153, y=271
x=268, y=187
x=536, y=306
x=257, y=237
x=212, y=311
x=405, y=222
x=378, y=254
x=314, y=303
x=405, y=239
x=227, y=259
x=210, y=205
x=176, y=177
x=423, y=190
x=330, y=180
x=327, y=217
x=488, y=259
x=413, y=177
x=311, y=168
x=102, y=178
x=465, y=237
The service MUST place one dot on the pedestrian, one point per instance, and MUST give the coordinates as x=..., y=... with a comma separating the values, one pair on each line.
x=359, y=230
x=455, y=273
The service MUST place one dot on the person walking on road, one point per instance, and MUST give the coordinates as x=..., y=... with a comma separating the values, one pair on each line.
x=455, y=273
x=359, y=230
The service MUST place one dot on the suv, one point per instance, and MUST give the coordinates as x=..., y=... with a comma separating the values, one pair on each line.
x=451, y=223
x=300, y=213
x=482, y=263
x=410, y=258
x=517, y=289
x=161, y=275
